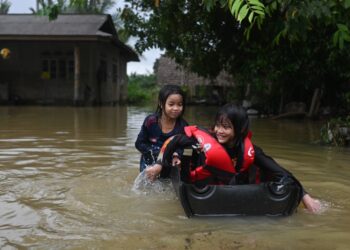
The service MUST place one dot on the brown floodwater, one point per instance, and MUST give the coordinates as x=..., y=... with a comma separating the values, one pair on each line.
x=67, y=181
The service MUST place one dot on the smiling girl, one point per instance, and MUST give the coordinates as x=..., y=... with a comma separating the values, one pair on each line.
x=158, y=127
x=231, y=130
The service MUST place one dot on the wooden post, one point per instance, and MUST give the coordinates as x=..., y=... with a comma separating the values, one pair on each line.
x=76, y=74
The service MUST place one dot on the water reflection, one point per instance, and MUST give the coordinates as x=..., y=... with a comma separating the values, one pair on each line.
x=67, y=180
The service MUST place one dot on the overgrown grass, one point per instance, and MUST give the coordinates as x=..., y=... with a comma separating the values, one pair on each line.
x=142, y=89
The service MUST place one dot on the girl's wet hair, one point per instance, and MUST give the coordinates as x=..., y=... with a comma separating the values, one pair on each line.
x=165, y=92
x=237, y=115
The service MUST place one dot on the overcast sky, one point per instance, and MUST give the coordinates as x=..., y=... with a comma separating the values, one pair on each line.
x=145, y=66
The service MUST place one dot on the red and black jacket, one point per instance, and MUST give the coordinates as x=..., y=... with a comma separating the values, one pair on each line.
x=216, y=166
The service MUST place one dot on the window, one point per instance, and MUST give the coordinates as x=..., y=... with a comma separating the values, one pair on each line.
x=53, y=69
x=57, y=65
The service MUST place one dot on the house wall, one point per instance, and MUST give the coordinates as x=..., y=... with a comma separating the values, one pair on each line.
x=24, y=74
x=110, y=68
x=123, y=89
x=169, y=72
x=23, y=78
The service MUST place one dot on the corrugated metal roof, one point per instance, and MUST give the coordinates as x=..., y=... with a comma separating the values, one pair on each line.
x=64, y=25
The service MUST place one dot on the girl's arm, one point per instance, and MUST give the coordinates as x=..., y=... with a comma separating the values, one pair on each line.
x=269, y=165
x=266, y=163
x=157, y=169
x=154, y=171
x=142, y=143
x=182, y=124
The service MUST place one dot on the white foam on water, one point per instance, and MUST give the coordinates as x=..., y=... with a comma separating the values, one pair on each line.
x=143, y=185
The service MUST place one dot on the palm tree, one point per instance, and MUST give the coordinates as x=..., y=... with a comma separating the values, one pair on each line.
x=52, y=9
x=4, y=6
x=90, y=6
x=44, y=7
x=49, y=8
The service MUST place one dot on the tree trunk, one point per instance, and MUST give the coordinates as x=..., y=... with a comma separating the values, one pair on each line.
x=314, y=103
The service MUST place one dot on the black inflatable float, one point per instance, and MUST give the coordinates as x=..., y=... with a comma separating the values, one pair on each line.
x=267, y=198
x=225, y=200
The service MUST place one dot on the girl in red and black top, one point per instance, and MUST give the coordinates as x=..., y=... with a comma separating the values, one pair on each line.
x=232, y=131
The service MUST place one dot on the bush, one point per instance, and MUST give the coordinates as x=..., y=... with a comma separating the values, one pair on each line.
x=336, y=132
x=142, y=89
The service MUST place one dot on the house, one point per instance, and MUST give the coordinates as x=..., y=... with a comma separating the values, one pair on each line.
x=167, y=71
x=73, y=60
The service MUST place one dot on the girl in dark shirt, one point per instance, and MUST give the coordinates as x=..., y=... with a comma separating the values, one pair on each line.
x=164, y=123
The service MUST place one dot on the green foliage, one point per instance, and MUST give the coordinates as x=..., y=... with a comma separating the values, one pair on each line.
x=345, y=100
x=336, y=131
x=253, y=9
x=341, y=35
x=90, y=6
x=346, y=97
x=4, y=6
x=240, y=9
x=295, y=14
x=52, y=8
x=291, y=48
x=142, y=89
x=123, y=34
x=49, y=8
x=182, y=29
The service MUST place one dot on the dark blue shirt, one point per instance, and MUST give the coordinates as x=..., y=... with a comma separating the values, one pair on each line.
x=151, y=138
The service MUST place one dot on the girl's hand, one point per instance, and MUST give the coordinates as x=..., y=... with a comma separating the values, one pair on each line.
x=176, y=160
x=313, y=205
x=153, y=172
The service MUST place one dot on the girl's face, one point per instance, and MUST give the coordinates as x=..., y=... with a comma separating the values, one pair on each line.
x=224, y=132
x=173, y=106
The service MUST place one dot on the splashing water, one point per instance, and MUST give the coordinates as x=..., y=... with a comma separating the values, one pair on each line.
x=324, y=207
x=142, y=185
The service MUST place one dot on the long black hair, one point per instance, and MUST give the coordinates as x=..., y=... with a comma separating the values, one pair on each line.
x=165, y=92
x=237, y=115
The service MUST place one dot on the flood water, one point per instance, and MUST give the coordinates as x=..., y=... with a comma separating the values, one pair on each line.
x=67, y=182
